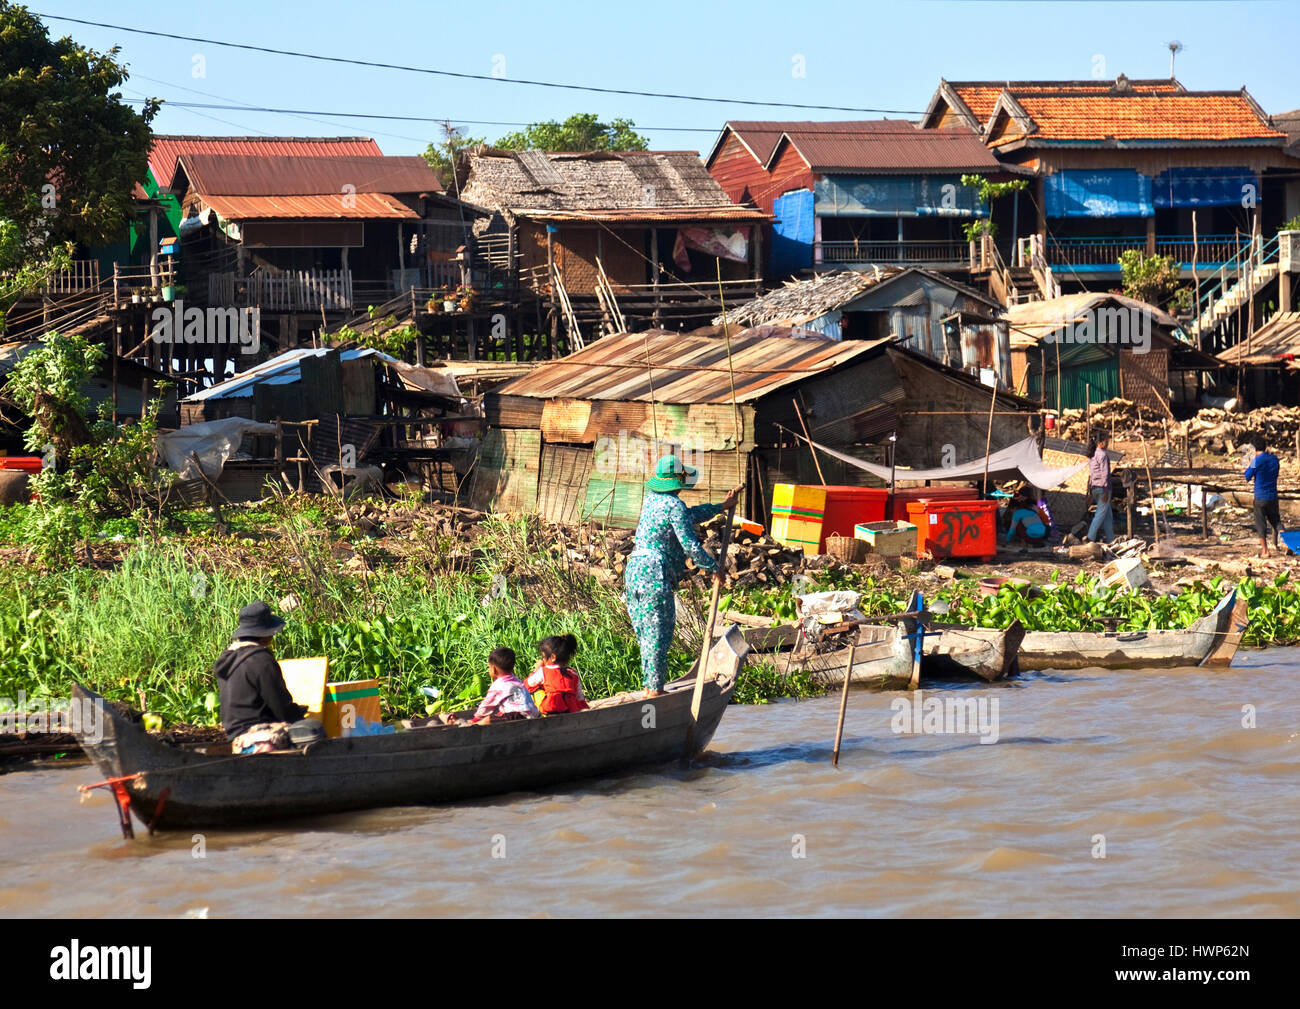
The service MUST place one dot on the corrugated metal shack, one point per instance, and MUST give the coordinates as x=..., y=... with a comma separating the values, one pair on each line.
x=576, y=439
x=1102, y=346
x=930, y=314
x=324, y=400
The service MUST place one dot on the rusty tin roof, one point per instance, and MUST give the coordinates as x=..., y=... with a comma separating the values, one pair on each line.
x=684, y=369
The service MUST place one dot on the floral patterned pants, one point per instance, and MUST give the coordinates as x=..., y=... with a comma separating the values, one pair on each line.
x=653, y=611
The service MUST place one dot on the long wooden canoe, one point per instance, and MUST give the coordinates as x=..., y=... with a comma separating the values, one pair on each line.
x=180, y=789
x=1212, y=641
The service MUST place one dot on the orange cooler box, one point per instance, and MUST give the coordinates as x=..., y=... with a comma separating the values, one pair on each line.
x=903, y=498
x=955, y=528
x=846, y=507
x=345, y=702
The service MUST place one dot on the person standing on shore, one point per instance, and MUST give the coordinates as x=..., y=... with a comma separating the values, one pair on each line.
x=665, y=536
x=1099, y=484
x=1263, y=470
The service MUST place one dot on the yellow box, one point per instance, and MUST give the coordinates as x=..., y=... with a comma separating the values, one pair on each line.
x=797, y=514
x=346, y=702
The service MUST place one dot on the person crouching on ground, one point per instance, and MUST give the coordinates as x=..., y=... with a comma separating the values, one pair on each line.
x=559, y=685
x=507, y=700
x=256, y=706
x=1263, y=470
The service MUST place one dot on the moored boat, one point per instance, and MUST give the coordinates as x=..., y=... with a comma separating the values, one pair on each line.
x=1211, y=642
x=990, y=653
x=169, y=788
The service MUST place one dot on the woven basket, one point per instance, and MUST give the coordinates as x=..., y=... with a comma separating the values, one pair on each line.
x=846, y=549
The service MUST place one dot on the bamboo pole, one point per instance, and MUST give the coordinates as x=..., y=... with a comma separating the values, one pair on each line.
x=844, y=703
x=1151, y=488
x=988, y=441
x=807, y=437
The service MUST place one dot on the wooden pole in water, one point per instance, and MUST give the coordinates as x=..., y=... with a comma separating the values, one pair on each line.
x=844, y=702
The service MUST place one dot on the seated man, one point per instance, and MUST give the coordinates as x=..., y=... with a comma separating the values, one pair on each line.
x=256, y=707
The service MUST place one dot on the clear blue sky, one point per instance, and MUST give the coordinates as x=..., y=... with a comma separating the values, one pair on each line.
x=863, y=55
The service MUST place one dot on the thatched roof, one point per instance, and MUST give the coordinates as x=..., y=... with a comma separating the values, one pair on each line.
x=627, y=183
x=799, y=301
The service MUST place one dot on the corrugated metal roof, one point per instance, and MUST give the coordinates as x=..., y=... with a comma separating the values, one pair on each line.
x=1032, y=320
x=901, y=148
x=1276, y=342
x=282, y=369
x=366, y=206
x=669, y=214
x=168, y=147
x=275, y=175
x=683, y=369
x=761, y=135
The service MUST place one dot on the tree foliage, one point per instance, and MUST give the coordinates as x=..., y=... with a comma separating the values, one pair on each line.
x=1153, y=279
x=444, y=155
x=582, y=131
x=70, y=149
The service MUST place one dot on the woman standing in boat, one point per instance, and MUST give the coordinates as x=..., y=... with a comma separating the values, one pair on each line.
x=665, y=536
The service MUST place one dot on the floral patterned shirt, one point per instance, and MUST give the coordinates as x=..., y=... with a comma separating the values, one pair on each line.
x=667, y=528
x=507, y=694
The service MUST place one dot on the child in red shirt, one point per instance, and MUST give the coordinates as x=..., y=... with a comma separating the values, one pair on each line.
x=561, y=685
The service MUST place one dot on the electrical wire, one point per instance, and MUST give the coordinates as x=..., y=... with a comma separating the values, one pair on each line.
x=467, y=76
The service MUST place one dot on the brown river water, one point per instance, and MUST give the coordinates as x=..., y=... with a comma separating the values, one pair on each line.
x=1197, y=814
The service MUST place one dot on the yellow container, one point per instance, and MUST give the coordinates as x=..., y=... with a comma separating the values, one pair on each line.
x=797, y=514
x=346, y=702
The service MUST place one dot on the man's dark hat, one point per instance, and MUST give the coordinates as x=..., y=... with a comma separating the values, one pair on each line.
x=257, y=621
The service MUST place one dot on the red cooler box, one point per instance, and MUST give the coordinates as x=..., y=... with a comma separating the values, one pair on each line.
x=848, y=506
x=22, y=463
x=902, y=498
x=955, y=528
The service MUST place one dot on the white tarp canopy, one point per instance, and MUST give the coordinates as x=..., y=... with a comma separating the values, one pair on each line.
x=1023, y=457
x=213, y=441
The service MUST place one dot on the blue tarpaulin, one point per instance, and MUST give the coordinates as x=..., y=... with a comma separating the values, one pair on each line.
x=1206, y=187
x=896, y=196
x=792, y=232
x=1120, y=192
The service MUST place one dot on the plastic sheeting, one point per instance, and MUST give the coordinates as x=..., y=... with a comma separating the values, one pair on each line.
x=1205, y=187
x=896, y=196
x=213, y=442
x=1122, y=192
x=792, y=232
x=1023, y=457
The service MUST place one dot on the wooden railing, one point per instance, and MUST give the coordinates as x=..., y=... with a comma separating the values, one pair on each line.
x=1104, y=253
x=82, y=275
x=915, y=252
x=289, y=291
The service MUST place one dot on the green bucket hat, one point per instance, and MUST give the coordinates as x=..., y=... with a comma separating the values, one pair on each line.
x=671, y=475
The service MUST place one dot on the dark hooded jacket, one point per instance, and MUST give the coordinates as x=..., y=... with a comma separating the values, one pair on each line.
x=252, y=689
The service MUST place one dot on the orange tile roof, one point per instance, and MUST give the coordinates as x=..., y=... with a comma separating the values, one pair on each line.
x=359, y=206
x=1204, y=116
x=981, y=96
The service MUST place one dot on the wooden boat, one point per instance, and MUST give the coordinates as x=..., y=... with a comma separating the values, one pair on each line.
x=180, y=789
x=883, y=659
x=956, y=652
x=1212, y=642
